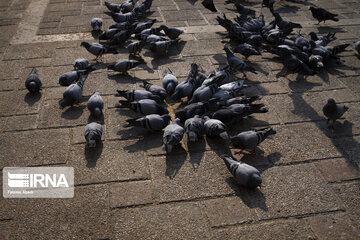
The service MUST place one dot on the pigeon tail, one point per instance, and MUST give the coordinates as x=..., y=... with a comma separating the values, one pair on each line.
x=124, y=104
x=133, y=122
x=269, y=132
x=34, y=71
x=209, y=4
x=340, y=48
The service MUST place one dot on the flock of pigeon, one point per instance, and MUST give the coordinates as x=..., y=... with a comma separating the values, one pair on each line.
x=214, y=101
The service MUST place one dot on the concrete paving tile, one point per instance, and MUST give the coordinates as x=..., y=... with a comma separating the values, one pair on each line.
x=11, y=69
x=182, y=221
x=290, y=191
x=226, y=211
x=202, y=47
x=181, y=15
x=7, y=206
x=9, y=85
x=5, y=230
x=195, y=175
x=78, y=134
x=349, y=147
x=67, y=56
x=52, y=116
x=53, y=93
x=352, y=83
x=130, y=193
x=66, y=218
x=38, y=62
x=64, y=7
x=23, y=102
x=43, y=149
x=283, y=229
x=334, y=226
x=23, y=122
x=273, y=88
x=349, y=193
x=109, y=161
x=29, y=51
x=337, y=170
x=342, y=95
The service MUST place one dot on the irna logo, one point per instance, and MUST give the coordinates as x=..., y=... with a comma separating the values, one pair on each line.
x=36, y=180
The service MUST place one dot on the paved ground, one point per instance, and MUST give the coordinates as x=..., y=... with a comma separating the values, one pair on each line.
x=128, y=188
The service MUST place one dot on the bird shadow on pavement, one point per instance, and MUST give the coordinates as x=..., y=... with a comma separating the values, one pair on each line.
x=32, y=98
x=93, y=118
x=287, y=9
x=175, y=160
x=149, y=140
x=218, y=145
x=92, y=155
x=196, y=151
x=73, y=112
x=122, y=78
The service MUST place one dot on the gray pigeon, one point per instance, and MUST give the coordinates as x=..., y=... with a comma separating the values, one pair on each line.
x=203, y=93
x=236, y=63
x=73, y=93
x=294, y=65
x=96, y=24
x=121, y=26
x=153, y=122
x=333, y=111
x=171, y=32
x=97, y=49
x=110, y=33
x=285, y=25
x=233, y=86
x=186, y=88
x=322, y=40
x=236, y=112
x=248, y=140
x=242, y=10
x=214, y=127
x=246, y=49
x=244, y=174
x=113, y=7
x=152, y=38
x=194, y=128
x=154, y=89
x=144, y=25
x=126, y=17
x=169, y=81
x=70, y=77
x=357, y=46
x=321, y=14
x=95, y=104
x=33, y=82
x=93, y=132
x=191, y=110
x=120, y=38
x=143, y=7
x=239, y=100
x=124, y=65
x=221, y=77
x=224, y=95
x=135, y=95
x=81, y=64
x=316, y=61
x=302, y=43
x=136, y=47
x=172, y=136
x=147, y=32
x=144, y=107
x=162, y=47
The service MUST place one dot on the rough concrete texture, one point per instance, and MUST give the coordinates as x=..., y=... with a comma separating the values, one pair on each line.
x=127, y=188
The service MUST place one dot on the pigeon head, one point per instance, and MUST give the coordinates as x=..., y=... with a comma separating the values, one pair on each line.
x=331, y=101
x=311, y=8
x=64, y=102
x=85, y=44
x=254, y=181
x=166, y=118
x=177, y=121
x=63, y=81
x=170, y=87
x=33, y=87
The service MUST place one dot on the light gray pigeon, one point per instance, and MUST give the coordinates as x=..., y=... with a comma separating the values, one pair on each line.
x=214, y=127
x=95, y=104
x=224, y=95
x=194, y=128
x=172, y=136
x=244, y=174
x=239, y=100
x=333, y=111
x=248, y=140
x=153, y=122
x=135, y=95
x=96, y=24
x=162, y=47
x=33, y=82
x=154, y=89
x=357, y=46
x=97, y=49
x=135, y=48
x=81, y=64
x=124, y=65
x=73, y=93
x=147, y=32
x=152, y=38
x=186, y=88
x=93, y=132
x=169, y=81
x=236, y=63
x=171, y=32
x=144, y=25
x=232, y=86
x=144, y=107
x=203, y=93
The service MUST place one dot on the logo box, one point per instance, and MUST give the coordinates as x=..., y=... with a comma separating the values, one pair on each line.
x=38, y=182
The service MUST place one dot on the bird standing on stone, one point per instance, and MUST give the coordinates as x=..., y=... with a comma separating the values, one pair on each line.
x=246, y=50
x=93, y=132
x=73, y=93
x=154, y=89
x=333, y=111
x=96, y=24
x=144, y=107
x=214, y=127
x=95, y=104
x=124, y=65
x=244, y=174
x=33, y=82
x=97, y=49
x=236, y=63
x=135, y=95
x=321, y=14
x=153, y=122
x=162, y=47
x=81, y=64
x=194, y=128
x=171, y=32
x=169, y=81
x=172, y=136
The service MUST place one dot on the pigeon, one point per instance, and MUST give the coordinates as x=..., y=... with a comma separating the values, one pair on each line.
x=209, y=4
x=162, y=47
x=95, y=104
x=171, y=32
x=144, y=25
x=120, y=38
x=143, y=7
x=93, y=132
x=294, y=65
x=327, y=52
x=194, y=128
x=155, y=89
x=127, y=17
x=236, y=112
x=70, y=77
x=203, y=93
x=357, y=46
x=226, y=116
x=244, y=174
x=321, y=14
x=232, y=86
x=121, y=26
x=73, y=93
x=214, y=127
x=97, y=49
x=33, y=82
x=243, y=10
x=113, y=7
x=191, y=110
x=146, y=32
x=284, y=24
x=135, y=95
x=239, y=100
x=124, y=65
x=153, y=122
x=186, y=88
x=152, y=38
x=236, y=63
x=144, y=107
x=128, y=6
x=246, y=49
x=248, y=140
x=81, y=64
x=224, y=95
x=169, y=81
x=322, y=40
x=109, y=34
x=302, y=43
x=333, y=111
x=221, y=77
x=172, y=136
x=136, y=47
x=96, y=24
x=316, y=61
